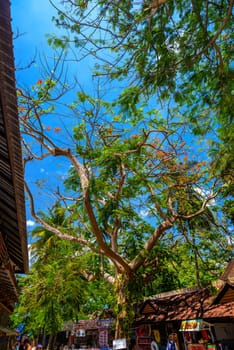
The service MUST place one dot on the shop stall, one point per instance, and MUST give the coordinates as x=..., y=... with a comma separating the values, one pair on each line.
x=197, y=335
x=92, y=334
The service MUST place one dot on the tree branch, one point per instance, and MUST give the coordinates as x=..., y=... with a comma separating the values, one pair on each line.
x=158, y=232
x=57, y=232
x=198, y=212
x=219, y=31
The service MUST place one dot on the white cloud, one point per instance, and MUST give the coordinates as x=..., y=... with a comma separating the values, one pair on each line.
x=144, y=213
x=204, y=195
x=30, y=223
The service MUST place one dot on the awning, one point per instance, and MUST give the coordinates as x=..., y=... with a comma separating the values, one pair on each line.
x=7, y=332
x=192, y=325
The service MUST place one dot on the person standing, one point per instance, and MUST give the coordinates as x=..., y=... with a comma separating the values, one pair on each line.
x=171, y=344
x=27, y=344
x=21, y=346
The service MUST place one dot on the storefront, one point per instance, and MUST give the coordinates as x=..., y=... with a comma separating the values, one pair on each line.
x=197, y=335
x=92, y=334
x=162, y=317
x=221, y=314
x=156, y=336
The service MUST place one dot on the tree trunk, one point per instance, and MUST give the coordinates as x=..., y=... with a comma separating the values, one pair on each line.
x=52, y=340
x=124, y=308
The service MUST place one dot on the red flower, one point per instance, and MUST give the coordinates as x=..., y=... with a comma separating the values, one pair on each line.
x=57, y=129
x=39, y=82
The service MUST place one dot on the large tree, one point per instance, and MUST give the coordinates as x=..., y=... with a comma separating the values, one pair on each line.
x=137, y=167
x=127, y=185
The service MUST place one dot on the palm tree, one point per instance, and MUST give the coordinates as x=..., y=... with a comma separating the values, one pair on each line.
x=54, y=289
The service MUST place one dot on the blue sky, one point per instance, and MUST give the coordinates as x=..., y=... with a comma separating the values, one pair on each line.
x=31, y=19
x=31, y=22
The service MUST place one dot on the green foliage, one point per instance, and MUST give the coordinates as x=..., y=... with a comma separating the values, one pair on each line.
x=179, y=51
x=178, y=47
x=55, y=290
x=141, y=176
x=137, y=196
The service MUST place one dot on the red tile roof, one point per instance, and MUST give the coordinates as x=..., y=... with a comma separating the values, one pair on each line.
x=176, y=307
x=220, y=311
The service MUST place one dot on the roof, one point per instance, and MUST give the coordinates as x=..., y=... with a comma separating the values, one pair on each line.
x=189, y=305
x=8, y=285
x=220, y=311
x=225, y=294
x=222, y=305
x=12, y=204
x=176, y=307
x=228, y=274
x=7, y=332
x=13, y=237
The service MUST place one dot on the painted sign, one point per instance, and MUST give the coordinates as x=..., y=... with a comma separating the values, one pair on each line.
x=191, y=325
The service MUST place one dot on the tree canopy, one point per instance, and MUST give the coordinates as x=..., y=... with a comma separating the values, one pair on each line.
x=174, y=51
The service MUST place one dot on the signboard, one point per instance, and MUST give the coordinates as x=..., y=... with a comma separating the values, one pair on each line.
x=93, y=324
x=196, y=347
x=191, y=325
x=119, y=344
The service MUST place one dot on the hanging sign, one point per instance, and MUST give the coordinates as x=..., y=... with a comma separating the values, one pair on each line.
x=191, y=325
